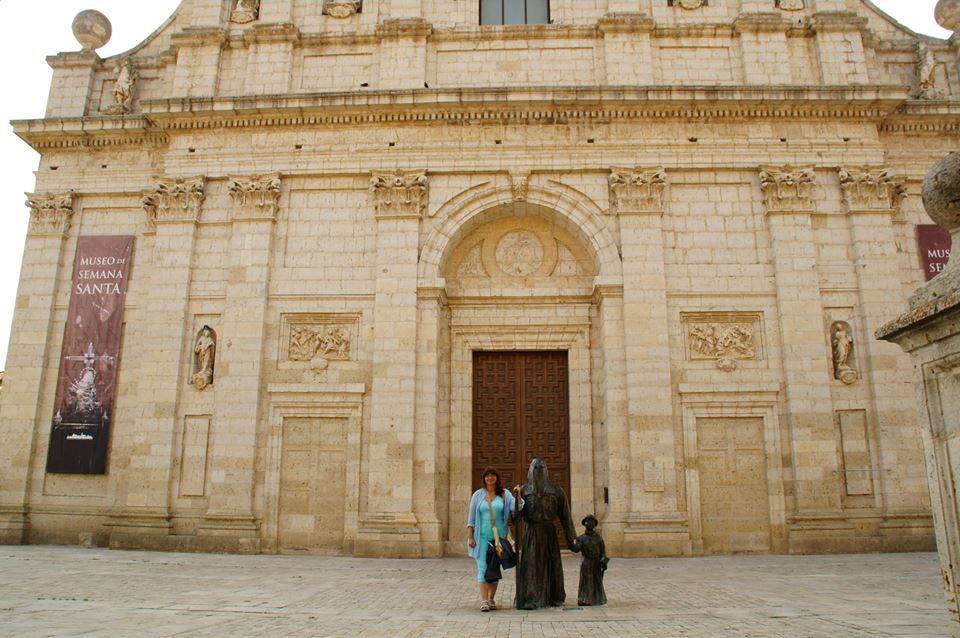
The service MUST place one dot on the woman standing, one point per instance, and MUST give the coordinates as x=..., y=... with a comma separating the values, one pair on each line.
x=489, y=498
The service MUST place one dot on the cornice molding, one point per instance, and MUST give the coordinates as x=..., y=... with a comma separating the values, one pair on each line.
x=626, y=23
x=268, y=33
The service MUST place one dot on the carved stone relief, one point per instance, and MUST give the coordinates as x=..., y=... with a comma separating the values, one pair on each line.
x=689, y=4
x=204, y=357
x=472, y=264
x=520, y=187
x=50, y=214
x=871, y=189
x=520, y=253
x=318, y=340
x=841, y=339
x=123, y=88
x=402, y=193
x=172, y=200
x=788, y=188
x=637, y=190
x=341, y=8
x=725, y=338
x=790, y=5
x=258, y=195
x=245, y=11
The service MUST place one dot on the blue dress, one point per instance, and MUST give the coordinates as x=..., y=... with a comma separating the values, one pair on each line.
x=484, y=532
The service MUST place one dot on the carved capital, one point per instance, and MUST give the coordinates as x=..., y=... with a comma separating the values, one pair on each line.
x=50, y=214
x=635, y=190
x=788, y=188
x=341, y=8
x=871, y=189
x=399, y=194
x=175, y=200
x=256, y=197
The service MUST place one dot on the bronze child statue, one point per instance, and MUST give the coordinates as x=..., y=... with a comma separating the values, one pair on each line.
x=592, y=566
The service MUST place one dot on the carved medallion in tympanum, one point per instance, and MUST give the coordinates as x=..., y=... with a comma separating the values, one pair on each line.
x=520, y=253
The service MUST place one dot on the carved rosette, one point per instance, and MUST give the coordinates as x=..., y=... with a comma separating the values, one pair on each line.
x=175, y=200
x=256, y=197
x=246, y=11
x=788, y=188
x=871, y=189
x=50, y=214
x=341, y=8
x=637, y=190
x=399, y=194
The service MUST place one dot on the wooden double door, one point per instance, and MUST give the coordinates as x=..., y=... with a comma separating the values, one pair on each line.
x=521, y=410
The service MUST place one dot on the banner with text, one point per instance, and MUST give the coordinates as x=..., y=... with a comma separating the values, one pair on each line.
x=90, y=357
x=934, y=243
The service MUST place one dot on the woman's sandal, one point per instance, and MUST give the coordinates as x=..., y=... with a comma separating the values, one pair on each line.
x=485, y=605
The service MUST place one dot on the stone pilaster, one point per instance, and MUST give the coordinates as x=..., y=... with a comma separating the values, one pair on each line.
x=613, y=417
x=270, y=57
x=141, y=515
x=872, y=198
x=840, y=45
x=230, y=522
x=198, y=60
x=763, y=40
x=403, y=52
x=388, y=525
x=27, y=355
x=72, y=83
x=430, y=420
x=654, y=522
x=627, y=48
x=788, y=194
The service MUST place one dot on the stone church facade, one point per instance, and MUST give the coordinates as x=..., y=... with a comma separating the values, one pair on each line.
x=378, y=245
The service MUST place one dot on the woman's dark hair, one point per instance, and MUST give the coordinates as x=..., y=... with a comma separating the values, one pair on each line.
x=483, y=483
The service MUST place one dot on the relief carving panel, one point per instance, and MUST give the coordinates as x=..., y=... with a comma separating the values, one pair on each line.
x=725, y=338
x=315, y=341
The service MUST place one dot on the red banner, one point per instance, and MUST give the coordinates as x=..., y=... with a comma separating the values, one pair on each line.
x=90, y=357
x=934, y=245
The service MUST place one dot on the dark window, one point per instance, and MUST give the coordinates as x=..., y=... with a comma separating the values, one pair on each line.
x=514, y=11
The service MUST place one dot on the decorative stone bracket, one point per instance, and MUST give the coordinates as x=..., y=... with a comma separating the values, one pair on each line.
x=399, y=194
x=871, y=189
x=175, y=200
x=256, y=197
x=50, y=214
x=788, y=188
x=635, y=190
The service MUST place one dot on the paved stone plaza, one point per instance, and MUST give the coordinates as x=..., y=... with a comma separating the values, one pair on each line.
x=60, y=591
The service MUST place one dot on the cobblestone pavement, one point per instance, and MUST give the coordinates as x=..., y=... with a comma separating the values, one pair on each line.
x=63, y=591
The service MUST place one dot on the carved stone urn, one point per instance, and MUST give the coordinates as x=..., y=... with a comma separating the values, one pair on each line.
x=947, y=14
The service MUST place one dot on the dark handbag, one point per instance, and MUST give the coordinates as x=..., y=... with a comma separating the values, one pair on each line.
x=493, y=573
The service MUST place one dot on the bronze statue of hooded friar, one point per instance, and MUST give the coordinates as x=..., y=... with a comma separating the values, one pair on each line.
x=540, y=571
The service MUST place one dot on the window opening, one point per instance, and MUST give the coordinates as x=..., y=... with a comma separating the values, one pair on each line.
x=514, y=11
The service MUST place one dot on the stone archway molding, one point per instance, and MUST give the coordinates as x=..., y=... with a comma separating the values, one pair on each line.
x=573, y=206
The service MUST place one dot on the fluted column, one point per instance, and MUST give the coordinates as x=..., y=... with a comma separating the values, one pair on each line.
x=230, y=522
x=654, y=523
x=389, y=526
x=27, y=357
x=142, y=506
x=788, y=194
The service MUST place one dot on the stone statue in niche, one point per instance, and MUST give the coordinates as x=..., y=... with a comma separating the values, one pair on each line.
x=123, y=88
x=204, y=353
x=842, y=350
x=926, y=75
x=726, y=344
x=245, y=11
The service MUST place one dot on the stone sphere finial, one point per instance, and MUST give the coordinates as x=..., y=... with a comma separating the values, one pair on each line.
x=947, y=14
x=941, y=192
x=92, y=29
